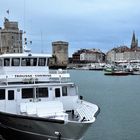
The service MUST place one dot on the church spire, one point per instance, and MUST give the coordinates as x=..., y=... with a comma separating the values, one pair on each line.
x=133, y=37
x=134, y=42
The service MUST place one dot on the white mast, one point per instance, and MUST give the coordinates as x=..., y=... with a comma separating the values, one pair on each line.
x=0, y=42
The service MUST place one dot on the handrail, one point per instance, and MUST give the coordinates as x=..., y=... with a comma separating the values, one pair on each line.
x=59, y=71
x=86, y=111
x=64, y=77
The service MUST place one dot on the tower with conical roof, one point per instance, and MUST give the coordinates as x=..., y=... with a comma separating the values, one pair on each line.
x=134, y=42
x=10, y=37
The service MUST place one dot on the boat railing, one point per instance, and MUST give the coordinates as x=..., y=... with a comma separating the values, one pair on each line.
x=33, y=77
x=59, y=71
x=59, y=75
x=60, y=80
x=86, y=111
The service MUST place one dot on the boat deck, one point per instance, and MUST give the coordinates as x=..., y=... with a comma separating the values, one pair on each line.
x=72, y=116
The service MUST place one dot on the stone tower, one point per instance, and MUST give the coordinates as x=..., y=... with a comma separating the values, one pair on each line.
x=59, y=54
x=134, y=42
x=10, y=38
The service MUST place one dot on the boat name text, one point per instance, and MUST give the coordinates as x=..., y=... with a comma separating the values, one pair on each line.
x=32, y=76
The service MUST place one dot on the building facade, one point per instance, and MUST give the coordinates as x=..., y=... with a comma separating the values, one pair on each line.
x=76, y=56
x=10, y=38
x=88, y=56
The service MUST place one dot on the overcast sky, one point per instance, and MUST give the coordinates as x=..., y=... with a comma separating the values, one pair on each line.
x=101, y=24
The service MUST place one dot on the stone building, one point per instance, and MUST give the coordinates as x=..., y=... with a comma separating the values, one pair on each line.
x=10, y=38
x=123, y=53
x=92, y=55
x=88, y=56
x=59, y=55
x=76, y=56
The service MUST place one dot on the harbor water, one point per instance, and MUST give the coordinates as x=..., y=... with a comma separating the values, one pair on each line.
x=119, y=100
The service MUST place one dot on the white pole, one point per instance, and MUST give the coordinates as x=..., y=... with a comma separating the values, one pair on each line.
x=19, y=41
x=0, y=42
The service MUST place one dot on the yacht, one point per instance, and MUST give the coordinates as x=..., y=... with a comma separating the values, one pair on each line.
x=38, y=103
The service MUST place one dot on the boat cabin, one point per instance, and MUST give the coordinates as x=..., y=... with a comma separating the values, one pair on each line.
x=28, y=87
x=27, y=67
x=14, y=97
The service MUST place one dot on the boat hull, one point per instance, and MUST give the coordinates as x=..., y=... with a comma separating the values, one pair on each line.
x=23, y=127
x=117, y=73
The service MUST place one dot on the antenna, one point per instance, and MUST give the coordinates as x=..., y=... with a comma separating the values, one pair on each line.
x=26, y=42
x=42, y=51
x=19, y=42
x=0, y=42
x=24, y=16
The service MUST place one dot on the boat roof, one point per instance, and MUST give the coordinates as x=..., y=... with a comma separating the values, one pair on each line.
x=24, y=55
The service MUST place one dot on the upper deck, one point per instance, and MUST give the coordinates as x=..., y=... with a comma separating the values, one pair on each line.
x=28, y=67
x=23, y=59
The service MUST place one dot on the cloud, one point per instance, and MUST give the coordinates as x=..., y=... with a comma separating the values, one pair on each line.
x=101, y=24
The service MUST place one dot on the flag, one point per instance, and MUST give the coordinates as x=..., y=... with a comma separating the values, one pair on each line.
x=7, y=11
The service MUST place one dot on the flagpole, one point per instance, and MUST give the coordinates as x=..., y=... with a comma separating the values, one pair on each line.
x=8, y=13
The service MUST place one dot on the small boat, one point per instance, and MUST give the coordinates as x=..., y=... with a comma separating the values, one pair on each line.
x=117, y=73
x=37, y=103
x=97, y=67
x=136, y=72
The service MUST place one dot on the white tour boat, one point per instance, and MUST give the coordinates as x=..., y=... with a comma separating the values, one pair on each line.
x=40, y=104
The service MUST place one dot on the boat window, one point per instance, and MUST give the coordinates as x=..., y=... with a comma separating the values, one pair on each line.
x=64, y=91
x=33, y=61
x=0, y=62
x=2, y=94
x=6, y=61
x=57, y=92
x=10, y=94
x=29, y=62
x=41, y=92
x=27, y=93
x=41, y=61
x=15, y=61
